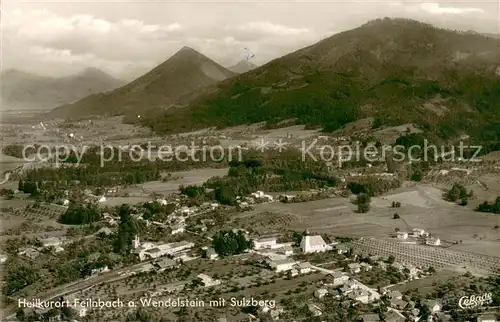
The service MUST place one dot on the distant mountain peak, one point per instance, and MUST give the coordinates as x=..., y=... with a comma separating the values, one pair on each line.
x=242, y=66
x=94, y=72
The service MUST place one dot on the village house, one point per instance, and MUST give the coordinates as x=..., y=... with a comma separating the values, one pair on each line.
x=314, y=309
x=262, y=243
x=487, y=318
x=398, y=304
x=303, y=268
x=99, y=270
x=394, y=316
x=208, y=281
x=398, y=266
x=211, y=254
x=29, y=252
x=335, y=279
x=286, y=250
x=274, y=313
x=3, y=258
x=105, y=231
x=395, y=295
x=354, y=268
x=178, y=228
x=418, y=232
x=149, y=250
x=432, y=241
x=50, y=241
x=382, y=265
x=434, y=305
x=443, y=317
x=320, y=293
x=365, y=266
x=402, y=235
x=342, y=249
x=282, y=265
x=360, y=295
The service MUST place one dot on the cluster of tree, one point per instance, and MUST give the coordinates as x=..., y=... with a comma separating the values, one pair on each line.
x=18, y=276
x=126, y=231
x=396, y=204
x=14, y=150
x=31, y=187
x=458, y=193
x=372, y=185
x=263, y=171
x=335, y=95
x=493, y=207
x=81, y=214
x=363, y=201
x=155, y=208
x=122, y=168
x=192, y=191
x=227, y=243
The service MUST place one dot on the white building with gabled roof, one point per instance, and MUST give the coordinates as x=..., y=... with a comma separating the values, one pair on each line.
x=267, y=242
x=313, y=244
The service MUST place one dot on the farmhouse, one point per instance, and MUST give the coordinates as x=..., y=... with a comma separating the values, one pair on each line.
x=434, y=305
x=262, y=243
x=304, y=268
x=178, y=229
x=313, y=244
x=402, y=235
x=432, y=241
x=394, y=316
x=354, y=268
x=286, y=250
x=211, y=254
x=51, y=241
x=29, y=252
x=487, y=318
x=335, y=279
x=418, y=232
x=208, y=281
x=282, y=265
x=320, y=293
x=360, y=295
x=365, y=266
x=342, y=249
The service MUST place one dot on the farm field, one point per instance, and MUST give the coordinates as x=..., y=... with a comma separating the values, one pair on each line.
x=426, y=256
x=192, y=177
x=422, y=207
x=425, y=285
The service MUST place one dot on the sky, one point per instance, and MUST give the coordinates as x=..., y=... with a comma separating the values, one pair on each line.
x=128, y=38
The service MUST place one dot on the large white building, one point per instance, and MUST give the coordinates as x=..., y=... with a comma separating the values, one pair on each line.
x=149, y=250
x=313, y=244
x=282, y=265
x=262, y=243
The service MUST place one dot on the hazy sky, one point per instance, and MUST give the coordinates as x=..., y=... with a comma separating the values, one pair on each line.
x=129, y=37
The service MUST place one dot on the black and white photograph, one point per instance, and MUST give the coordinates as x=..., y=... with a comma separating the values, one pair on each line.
x=249, y=160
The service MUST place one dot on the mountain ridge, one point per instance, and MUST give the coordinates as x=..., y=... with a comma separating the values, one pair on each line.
x=21, y=90
x=388, y=69
x=165, y=85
